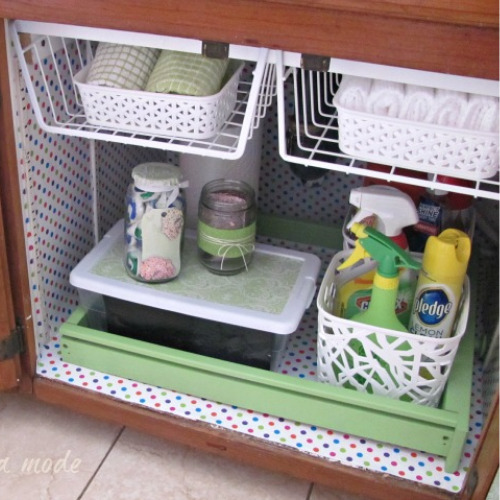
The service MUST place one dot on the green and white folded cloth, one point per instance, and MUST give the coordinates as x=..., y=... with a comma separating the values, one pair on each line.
x=122, y=66
x=187, y=74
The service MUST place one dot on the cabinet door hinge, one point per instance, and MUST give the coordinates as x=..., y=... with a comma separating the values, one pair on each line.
x=12, y=345
x=217, y=50
x=314, y=63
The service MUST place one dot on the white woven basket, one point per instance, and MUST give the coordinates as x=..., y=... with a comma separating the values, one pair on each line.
x=425, y=147
x=381, y=361
x=153, y=113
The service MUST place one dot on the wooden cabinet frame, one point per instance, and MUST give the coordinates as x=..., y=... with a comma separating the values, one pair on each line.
x=445, y=36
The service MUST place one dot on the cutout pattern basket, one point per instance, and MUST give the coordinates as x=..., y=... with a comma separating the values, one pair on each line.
x=426, y=147
x=166, y=115
x=381, y=361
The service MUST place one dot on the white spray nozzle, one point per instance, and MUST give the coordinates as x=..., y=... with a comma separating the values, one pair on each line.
x=394, y=209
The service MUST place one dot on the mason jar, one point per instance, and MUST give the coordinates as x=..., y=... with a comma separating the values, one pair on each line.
x=227, y=215
x=154, y=223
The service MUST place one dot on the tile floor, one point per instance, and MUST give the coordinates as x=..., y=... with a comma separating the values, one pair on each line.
x=47, y=453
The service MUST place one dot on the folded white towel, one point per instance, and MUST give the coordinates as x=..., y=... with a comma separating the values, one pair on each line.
x=385, y=98
x=449, y=108
x=417, y=103
x=353, y=92
x=480, y=114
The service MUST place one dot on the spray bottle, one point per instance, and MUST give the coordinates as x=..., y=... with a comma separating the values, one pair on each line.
x=390, y=257
x=381, y=311
x=385, y=208
x=440, y=283
x=389, y=210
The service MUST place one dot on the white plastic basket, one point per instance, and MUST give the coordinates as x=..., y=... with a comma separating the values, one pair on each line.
x=381, y=361
x=158, y=114
x=426, y=147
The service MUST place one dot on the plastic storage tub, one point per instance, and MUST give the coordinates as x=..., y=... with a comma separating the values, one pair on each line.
x=245, y=318
x=425, y=147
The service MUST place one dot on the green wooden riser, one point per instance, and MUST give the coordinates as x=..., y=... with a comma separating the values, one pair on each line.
x=441, y=431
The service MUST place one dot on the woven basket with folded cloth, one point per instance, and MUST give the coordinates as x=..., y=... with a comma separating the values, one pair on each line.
x=187, y=74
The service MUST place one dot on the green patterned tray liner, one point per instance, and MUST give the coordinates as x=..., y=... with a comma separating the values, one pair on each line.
x=265, y=287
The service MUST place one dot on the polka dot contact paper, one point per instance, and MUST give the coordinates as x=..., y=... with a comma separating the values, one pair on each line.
x=299, y=360
x=323, y=443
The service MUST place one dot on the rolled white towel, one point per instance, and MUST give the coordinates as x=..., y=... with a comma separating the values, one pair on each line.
x=385, y=98
x=449, y=108
x=353, y=92
x=481, y=114
x=417, y=103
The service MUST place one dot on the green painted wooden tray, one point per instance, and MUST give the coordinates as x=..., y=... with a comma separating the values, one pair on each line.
x=441, y=431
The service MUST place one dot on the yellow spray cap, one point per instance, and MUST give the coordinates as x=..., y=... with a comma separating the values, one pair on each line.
x=447, y=255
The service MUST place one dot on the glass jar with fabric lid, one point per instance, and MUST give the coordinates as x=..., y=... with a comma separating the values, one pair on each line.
x=227, y=215
x=154, y=222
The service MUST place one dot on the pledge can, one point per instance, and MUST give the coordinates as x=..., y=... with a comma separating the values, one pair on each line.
x=440, y=284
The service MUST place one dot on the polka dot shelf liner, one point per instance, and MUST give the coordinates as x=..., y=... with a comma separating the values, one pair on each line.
x=299, y=360
x=325, y=443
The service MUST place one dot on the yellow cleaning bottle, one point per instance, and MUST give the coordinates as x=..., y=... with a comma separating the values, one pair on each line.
x=440, y=283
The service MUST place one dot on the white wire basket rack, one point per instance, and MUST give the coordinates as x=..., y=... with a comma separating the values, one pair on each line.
x=398, y=365
x=308, y=113
x=51, y=56
x=308, y=126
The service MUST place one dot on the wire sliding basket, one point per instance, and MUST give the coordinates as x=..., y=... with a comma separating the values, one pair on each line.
x=308, y=127
x=310, y=133
x=51, y=56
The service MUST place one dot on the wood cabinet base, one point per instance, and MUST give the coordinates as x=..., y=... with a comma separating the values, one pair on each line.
x=233, y=445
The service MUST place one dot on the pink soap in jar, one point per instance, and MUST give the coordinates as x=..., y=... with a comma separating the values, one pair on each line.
x=154, y=223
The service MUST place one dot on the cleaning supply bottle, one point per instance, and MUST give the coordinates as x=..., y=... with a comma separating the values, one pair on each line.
x=390, y=257
x=386, y=208
x=389, y=210
x=440, y=282
x=439, y=209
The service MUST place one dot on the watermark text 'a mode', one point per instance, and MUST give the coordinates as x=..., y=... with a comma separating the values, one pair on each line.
x=40, y=465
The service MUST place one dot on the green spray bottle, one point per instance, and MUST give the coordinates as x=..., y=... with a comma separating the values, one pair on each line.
x=389, y=257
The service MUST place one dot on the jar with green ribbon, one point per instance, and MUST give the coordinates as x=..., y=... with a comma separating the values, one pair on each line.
x=227, y=216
